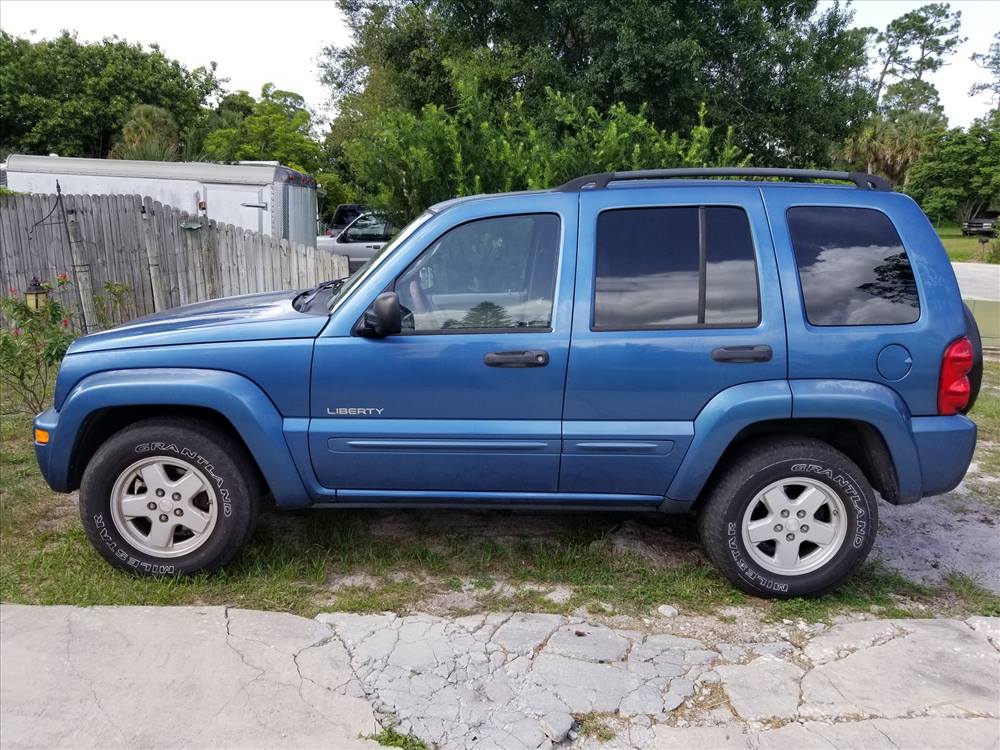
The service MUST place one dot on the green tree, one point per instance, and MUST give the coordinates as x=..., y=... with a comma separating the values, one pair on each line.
x=404, y=161
x=989, y=61
x=72, y=99
x=279, y=128
x=791, y=80
x=917, y=43
x=959, y=175
x=910, y=111
x=150, y=134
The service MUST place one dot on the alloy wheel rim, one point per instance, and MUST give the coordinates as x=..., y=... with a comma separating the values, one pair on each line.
x=164, y=506
x=794, y=526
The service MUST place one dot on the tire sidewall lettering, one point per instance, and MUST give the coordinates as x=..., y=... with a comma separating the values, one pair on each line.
x=120, y=552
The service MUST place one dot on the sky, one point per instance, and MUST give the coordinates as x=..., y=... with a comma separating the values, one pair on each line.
x=265, y=41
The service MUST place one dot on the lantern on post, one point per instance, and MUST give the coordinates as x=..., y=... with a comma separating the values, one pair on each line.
x=35, y=295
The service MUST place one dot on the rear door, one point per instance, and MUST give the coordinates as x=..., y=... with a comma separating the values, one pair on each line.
x=677, y=299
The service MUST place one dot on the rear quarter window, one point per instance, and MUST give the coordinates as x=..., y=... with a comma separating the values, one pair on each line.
x=853, y=268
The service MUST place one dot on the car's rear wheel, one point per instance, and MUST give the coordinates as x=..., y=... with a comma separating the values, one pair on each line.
x=169, y=496
x=790, y=517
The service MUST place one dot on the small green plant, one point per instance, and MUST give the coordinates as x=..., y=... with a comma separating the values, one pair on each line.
x=114, y=309
x=389, y=737
x=970, y=591
x=32, y=344
x=593, y=725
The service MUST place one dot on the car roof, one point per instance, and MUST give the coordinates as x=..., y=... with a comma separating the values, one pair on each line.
x=646, y=184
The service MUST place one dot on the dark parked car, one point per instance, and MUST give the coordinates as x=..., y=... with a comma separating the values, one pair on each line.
x=985, y=222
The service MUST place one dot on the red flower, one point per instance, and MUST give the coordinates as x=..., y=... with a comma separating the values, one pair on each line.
x=12, y=290
x=65, y=322
x=17, y=332
x=62, y=277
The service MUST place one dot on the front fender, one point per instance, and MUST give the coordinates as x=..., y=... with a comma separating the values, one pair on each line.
x=239, y=400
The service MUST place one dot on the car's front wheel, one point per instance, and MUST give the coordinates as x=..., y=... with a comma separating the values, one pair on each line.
x=790, y=517
x=169, y=496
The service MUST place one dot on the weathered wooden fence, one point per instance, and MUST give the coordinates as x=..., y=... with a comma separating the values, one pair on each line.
x=164, y=256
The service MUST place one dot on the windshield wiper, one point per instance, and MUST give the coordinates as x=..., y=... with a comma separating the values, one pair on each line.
x=306, y=297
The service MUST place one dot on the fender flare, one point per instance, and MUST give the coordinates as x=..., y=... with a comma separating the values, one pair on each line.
x=741, y=406
x=238, y=399
x=721, y=420
x=876, y=405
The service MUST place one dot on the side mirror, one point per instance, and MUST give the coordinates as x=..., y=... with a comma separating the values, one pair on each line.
x=383, y=318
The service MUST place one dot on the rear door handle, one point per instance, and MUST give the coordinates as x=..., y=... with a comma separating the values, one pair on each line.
x=757, y=353
x=530, y=358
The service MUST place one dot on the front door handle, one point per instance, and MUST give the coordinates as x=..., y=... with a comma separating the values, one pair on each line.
x=530, y=358
x=757, y=353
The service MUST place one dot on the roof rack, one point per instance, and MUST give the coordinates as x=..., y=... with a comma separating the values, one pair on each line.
x=863, y=180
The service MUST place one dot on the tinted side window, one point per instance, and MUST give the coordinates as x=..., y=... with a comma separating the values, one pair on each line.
x=675, y=267
x=366, y=229
x=852, y=267
x=495, y=273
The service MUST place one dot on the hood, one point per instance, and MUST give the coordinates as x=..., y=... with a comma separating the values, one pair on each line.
x=245, y=318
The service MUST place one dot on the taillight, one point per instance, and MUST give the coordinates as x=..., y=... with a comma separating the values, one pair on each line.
x=953, y=387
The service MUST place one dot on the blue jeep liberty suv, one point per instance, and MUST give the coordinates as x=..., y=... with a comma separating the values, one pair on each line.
x=768, y=354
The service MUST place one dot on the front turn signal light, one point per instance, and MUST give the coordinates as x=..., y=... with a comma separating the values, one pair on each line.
x=41, y=436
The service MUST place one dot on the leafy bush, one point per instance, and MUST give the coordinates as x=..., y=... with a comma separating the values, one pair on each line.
x=32, y=345
x=403, y=162
x=117, y=307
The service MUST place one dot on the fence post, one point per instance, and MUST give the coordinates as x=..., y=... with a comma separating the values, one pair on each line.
x=153, y=257
x=81, y=269
x=210, y=256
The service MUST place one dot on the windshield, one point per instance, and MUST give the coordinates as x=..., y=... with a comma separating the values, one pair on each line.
x=376, y=260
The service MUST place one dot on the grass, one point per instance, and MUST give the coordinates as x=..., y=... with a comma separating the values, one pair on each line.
x=594, y=725
x=391, y=738
x=968, y=589
x=302, y=562
x=986, y=414
x=964, y=249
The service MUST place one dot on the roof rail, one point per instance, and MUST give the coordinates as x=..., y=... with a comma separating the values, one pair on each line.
x=863, y=180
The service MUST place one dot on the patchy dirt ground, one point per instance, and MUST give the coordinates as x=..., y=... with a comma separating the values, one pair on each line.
x=941, y=535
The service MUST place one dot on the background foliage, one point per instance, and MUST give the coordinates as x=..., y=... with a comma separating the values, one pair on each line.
x=436, y=98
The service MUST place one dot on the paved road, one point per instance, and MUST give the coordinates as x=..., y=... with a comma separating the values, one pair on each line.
x=217, y=677
x=978, y=280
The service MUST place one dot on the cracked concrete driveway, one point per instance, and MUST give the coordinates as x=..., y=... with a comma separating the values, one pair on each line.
x=219, y=677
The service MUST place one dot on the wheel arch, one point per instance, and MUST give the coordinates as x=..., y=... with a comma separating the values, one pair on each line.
x=105, y=402
x=101, y=424
x=866, y=421
x=859, y=441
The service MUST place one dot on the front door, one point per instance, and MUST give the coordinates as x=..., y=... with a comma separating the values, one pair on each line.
x=468, y=397
x=677, y=299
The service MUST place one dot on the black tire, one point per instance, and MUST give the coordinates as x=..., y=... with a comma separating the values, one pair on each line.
x=755, y=468
x=976, y=373
x=221, y=459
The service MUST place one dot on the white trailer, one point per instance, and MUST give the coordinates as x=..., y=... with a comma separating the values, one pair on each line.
x=262, y=196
